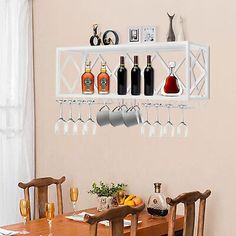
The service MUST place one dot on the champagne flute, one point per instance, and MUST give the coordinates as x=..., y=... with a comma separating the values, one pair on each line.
x=74, y=194
x=50, y=210
x=24, y=211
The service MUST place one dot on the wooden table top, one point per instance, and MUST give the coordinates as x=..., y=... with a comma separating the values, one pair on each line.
x=63, y=227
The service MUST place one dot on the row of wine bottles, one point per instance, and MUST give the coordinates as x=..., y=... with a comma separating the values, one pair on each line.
x=171, y=85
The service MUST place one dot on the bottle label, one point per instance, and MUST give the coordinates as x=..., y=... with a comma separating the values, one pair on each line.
x=88, y=84
x=103, y=83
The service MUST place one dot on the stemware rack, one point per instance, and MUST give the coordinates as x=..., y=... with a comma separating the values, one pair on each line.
x=192, y=70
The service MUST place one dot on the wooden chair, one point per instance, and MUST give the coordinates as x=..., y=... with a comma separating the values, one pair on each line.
x=189, y=200
x=42, y=185
x=115, y=217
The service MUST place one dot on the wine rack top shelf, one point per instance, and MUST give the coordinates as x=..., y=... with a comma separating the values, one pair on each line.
x=137, y=47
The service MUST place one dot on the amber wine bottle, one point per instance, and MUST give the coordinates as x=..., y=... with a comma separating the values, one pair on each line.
x=87, y=80
x=103, y=80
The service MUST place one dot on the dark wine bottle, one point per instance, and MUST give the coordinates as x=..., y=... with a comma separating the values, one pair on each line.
x=122, y=78
x=149, y=78
x=135, y=78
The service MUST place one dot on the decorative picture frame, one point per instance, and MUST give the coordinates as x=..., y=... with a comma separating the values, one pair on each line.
x=149, y=34
x=134, y=34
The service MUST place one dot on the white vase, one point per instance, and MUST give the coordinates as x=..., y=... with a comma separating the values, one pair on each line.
x=104, y=203
x=181, y=36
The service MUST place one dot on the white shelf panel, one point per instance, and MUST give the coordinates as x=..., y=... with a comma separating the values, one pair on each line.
x=137, y=47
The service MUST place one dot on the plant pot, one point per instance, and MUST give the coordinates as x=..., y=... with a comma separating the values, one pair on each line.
x=105, y=203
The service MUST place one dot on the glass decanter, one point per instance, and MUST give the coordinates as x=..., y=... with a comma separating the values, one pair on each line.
x=171, y=86
x=157, y=205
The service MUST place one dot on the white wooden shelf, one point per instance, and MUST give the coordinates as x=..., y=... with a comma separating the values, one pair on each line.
x=195, y=57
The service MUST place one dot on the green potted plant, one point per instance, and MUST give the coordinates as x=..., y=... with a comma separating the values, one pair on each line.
x=106, y=194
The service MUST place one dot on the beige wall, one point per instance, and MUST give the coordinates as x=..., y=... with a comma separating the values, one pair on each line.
x=205, y=160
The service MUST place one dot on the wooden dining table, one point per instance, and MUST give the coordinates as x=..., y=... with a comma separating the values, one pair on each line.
x=62, y=226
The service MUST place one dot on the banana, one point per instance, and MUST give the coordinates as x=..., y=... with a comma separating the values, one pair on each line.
x=130, y=197
x=122, y=201
x=130, y=203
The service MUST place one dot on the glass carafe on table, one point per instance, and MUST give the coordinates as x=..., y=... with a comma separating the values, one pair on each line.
x=157, y=205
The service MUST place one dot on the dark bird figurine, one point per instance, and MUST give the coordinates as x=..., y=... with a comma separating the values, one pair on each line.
x=171, y=34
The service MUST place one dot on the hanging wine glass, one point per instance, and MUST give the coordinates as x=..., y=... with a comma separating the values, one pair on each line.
x=182, y=128
x=89, y=125
x=60, y=123
x=169, y=130
x=157, y=129
x=79, y=122
x=145, y=128
x=69, y=125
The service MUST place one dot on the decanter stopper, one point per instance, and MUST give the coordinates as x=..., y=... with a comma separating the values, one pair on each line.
x=181, y=36
x=171, y=34
x=157, y=187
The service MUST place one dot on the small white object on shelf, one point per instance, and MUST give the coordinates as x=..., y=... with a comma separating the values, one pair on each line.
x=181, y=35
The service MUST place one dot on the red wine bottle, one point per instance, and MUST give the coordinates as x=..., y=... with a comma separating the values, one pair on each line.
x=135, y=78
x=122, y=78
x=149, y=78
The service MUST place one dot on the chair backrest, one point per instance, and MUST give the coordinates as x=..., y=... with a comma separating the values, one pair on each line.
x=189, y=200
x=41, y=185
x=115, y=216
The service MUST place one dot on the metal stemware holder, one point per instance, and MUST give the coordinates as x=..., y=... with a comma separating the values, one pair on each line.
x=75, y=122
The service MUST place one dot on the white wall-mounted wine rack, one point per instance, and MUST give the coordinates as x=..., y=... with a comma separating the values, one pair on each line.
x=192, y=69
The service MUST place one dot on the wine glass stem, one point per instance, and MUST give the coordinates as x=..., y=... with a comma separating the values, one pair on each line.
x=183, y=115
x=70, y=110
x=24, y=220
x=158, y=119
x=61, y=110
x=50, y=227
x=74, y=207
x=168, y=114
x=90, y=115
x=79, y=110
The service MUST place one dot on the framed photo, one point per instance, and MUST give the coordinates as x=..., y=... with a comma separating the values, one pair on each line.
x=149, y=34
x=134, y=34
